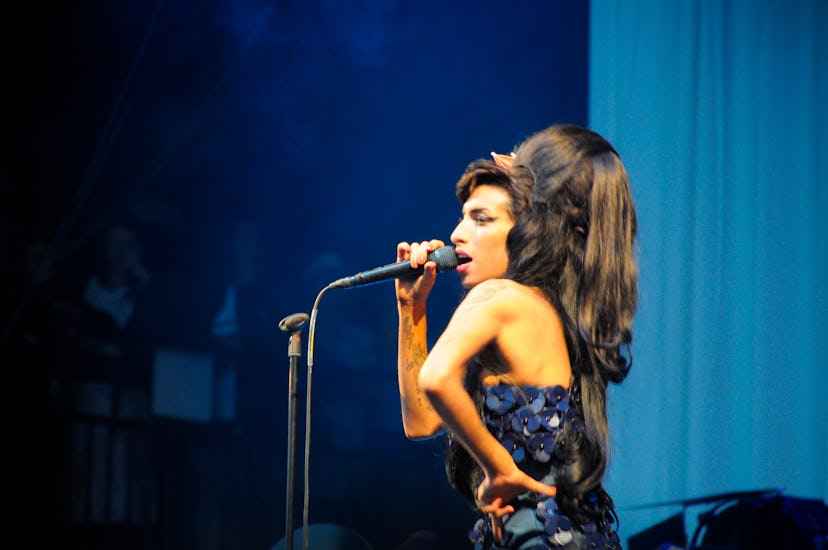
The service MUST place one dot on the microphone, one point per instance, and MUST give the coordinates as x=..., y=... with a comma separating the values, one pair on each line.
x=445, y=257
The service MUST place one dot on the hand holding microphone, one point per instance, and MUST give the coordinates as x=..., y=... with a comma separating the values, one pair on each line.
x=416, y=290
x=419, y=253
x=412, y=259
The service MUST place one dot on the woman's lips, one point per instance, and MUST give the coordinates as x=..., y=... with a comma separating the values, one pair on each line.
x=463, y=261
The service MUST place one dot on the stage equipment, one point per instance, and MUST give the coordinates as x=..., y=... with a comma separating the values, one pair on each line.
x=745, y=520
x=292, y=324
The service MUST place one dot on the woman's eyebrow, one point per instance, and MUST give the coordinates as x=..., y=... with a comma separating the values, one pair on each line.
x=475, y=208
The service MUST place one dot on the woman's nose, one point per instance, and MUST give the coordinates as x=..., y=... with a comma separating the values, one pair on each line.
x=457, y=235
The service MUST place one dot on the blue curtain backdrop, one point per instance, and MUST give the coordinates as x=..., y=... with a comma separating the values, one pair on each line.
x=719, y=110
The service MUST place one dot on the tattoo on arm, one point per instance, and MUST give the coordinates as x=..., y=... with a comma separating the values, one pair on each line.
x=406, y=324
x=480, y=297
x=417, y=357
x=414, y=356
x=416, y=353
x=422, y=402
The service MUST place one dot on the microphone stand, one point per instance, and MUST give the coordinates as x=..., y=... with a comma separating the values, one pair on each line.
x=445, y=258
x=292, y=324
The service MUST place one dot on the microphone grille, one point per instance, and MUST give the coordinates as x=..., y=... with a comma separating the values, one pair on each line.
x=445, y=257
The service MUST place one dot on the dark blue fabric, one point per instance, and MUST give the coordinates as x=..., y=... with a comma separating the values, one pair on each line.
x=528, y=421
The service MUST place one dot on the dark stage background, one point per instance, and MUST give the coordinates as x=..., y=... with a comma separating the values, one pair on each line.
x=272, y=147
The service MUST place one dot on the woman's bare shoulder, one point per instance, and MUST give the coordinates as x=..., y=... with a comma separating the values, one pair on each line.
x=502, y=295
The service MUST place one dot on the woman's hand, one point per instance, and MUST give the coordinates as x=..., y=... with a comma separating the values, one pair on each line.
x=495, y=493
x=415, y=290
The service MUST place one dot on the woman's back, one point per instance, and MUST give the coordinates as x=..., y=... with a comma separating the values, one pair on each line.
x=530, y=343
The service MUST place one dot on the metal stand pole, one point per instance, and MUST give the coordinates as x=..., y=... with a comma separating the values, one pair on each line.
x=292, y=324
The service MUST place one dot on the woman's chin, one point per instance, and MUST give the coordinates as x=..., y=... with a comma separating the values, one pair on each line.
x=468, y=282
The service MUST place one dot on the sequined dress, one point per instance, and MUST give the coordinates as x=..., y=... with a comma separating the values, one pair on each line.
x=528, y=420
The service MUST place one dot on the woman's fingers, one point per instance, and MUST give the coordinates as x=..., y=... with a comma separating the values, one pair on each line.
x=496, y=511
x=434, y=244
x=403, y=251
x=501, y=511
x=497, y=528
x=496, y=508
x=544, y=489
x=418, y=252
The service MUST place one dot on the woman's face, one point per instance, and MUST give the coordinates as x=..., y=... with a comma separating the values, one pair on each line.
x=481, y=235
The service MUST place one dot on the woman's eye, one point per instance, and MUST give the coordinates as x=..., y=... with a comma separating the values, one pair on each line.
x=480, y=218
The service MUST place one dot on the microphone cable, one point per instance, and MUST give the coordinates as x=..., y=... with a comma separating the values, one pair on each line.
x=311, y=336
x=446, y=259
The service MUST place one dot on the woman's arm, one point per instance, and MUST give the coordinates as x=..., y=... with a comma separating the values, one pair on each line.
x=478, y=321
x=419, y=418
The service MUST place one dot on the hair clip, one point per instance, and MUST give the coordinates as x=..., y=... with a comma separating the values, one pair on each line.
x=504, y=161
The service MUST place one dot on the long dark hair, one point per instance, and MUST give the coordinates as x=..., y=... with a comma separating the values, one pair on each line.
x=573, y=238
